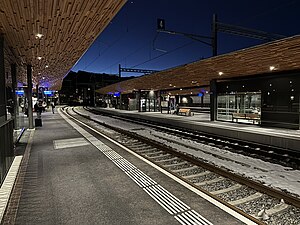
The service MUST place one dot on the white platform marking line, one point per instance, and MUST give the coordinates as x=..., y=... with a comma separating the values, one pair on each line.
x=164, y=199
x=181, y=219
x=125, y=164
x=149, y=180
x=158, y=199
x=171, y=198
x=197, y=218
x=170, y=211
x=112, y=155
x=189, y=220
x=140, y=180
x=137, y=181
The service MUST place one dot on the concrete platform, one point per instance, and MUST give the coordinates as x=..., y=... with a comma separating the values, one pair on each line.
x=277, y=137
x=70, y=180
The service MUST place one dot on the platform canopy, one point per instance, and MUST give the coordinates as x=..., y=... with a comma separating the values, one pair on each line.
x=52, y=35
x=269, y=58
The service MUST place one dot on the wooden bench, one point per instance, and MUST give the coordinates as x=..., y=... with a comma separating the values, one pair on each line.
x=186, y=112
x=237, y=116
x=247, y=116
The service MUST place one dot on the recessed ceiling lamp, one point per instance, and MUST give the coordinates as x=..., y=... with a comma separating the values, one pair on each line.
x=39, y=57
x=39, y=36
x=221, y=73
x=272, y=68
x=46, y=66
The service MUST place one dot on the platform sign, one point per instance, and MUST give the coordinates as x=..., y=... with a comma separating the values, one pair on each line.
x=117, y=94
x=48, y=93
x=20, y=92
x=160, y=24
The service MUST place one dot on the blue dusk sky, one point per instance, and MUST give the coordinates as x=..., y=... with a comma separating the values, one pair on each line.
x=131, y=38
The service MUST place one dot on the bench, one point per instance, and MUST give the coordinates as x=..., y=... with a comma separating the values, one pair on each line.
x=247, y=116
x=186, y=112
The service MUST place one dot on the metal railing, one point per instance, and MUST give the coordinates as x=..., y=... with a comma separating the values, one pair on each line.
x=6, y=148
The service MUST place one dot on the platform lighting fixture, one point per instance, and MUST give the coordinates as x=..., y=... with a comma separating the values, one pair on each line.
x=39, y=36
x=272, y=68
x=221, y=73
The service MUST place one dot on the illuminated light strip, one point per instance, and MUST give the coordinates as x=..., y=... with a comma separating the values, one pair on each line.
x=188, y=186
x=7, y=185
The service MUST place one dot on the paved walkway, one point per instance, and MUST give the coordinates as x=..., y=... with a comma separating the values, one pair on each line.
x=70, y=179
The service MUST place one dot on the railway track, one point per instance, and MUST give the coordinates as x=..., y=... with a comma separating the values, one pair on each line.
x=260, y=203
x=285, y=157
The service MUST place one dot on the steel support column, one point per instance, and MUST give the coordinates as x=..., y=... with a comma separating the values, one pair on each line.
x=29, y=96
x=3, y=116
x=214, y=41
x=213, y=100
x=15, y=98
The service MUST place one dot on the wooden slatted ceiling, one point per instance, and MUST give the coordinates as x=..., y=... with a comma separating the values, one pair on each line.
x=69, y=27
x=283, y=54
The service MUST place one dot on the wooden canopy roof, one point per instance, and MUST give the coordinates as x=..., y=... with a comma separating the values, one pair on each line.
x=52, y=35
x=281, y=55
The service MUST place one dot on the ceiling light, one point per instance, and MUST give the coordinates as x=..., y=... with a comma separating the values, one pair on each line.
x=221, y=73
x=39, y=57
x=46, y=66
x=39, y=36
x=272, y=68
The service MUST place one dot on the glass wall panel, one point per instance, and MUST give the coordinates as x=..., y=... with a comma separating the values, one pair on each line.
x=239, y=107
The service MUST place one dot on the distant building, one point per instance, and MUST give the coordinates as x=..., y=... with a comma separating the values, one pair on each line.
x=79, y=87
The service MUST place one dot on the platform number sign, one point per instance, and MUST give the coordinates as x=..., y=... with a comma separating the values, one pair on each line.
x=160, y=24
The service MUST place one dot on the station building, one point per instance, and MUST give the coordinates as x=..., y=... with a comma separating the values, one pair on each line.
x=257, y=85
